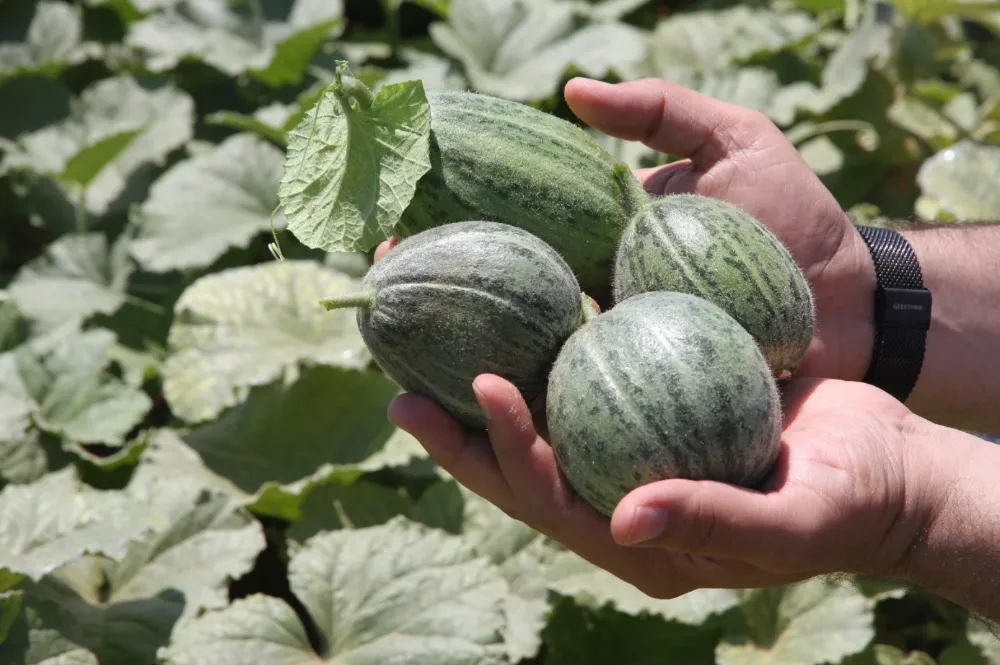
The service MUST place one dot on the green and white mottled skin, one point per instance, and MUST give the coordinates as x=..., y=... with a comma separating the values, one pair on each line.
x=665, y=385
x=463, y=299
x=713, y=249
x=501, y=161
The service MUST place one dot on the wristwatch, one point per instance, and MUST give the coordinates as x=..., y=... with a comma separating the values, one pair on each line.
x=902, y=313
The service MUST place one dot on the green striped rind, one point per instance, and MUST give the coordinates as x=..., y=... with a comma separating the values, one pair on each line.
x=501, y=161
x=710, y=248
x=665, y=385
x=469, y=298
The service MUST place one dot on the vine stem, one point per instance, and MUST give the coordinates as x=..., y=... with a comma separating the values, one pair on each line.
x=363, y=299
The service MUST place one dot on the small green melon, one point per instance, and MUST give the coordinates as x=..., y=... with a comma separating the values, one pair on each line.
x=713, y=249
x=664, y=385
x=463, y=299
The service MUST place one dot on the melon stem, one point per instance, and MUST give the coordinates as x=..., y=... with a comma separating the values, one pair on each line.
x=362, y=299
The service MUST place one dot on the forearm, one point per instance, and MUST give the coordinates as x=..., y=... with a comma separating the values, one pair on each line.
x=959, y=384
x=955, y=499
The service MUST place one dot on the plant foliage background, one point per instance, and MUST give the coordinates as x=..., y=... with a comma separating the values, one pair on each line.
x=194, y=458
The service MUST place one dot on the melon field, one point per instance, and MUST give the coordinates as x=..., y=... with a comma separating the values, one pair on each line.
x=196, y=467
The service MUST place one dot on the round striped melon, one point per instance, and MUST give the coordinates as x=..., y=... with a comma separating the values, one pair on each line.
x=665, y=385
x=713, y=249
x=459, y=300
x=502, y=161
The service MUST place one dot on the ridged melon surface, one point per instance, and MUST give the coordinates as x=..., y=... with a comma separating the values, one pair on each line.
x=665, y=385
x=713, y=249
x=501, y=161
x=456, y=301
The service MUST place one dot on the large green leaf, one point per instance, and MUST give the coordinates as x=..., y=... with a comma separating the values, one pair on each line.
x=578, y=635
x=162, y=117
x=520, y=49
x=122, y=611
x=236, y=39
x=207, y=204
x=57, y=519
x=574, y=577
x=817, y=621
x=22, y=458
x=960, y=180
x=524, y=557
x=328, y=420
x=392, y=593
x=714, y=40
x=78, y=275
x=53, y=41
x=33, y=642
x=353, y=163
x=73, y=390
x=250, y=326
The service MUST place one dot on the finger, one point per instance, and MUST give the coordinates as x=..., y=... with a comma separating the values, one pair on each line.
x=665, y=116
x=467, y=456
x=715, y=519
x=672, y=178
x=384, y=248
x=526, y=460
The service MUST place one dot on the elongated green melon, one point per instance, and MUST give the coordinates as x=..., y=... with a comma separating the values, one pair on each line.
x=713, y=249
x=665, y=385
x=459, y=300
x=501, y=161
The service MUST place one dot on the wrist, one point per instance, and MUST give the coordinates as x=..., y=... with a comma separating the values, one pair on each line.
x=858, y=334
x=951, y=515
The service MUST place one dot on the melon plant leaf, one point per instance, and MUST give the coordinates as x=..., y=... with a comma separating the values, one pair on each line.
x=353, y=163
x=519, y=49
x=123, y=610
x=84, y=166
x=22, y=458
x=207, y=204
x=330, y=420
x=53, y=41
x=985, y=639
x=813, y=622
x=236, y=39
x=716, y=40
x=432, y=70
x=884, y=654
x=249, y=326
x=524, y=557
x=845, y=71
x=10, y=609
x=580, y=635
x=57, y=519
x=362, y=503
x=76, y=395
x=398, y=592
x=574, y=577
x=164, y=118
x=959, y=180
x=32, y=642
x=78, y=275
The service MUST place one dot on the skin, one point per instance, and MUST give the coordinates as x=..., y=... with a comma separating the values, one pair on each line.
x=863, y=483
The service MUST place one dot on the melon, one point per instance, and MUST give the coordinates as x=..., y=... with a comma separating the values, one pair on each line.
x=502, y=161
x=664, y=385
x=713, y=249
x=463, y=299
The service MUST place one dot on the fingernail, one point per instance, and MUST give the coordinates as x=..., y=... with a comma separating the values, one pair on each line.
x=483, y=403
x=647, y=524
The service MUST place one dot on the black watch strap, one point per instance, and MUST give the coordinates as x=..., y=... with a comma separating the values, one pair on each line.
x=902, y=313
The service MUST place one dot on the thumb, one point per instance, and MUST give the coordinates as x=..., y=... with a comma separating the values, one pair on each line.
x=667, y=117
x=714, y=519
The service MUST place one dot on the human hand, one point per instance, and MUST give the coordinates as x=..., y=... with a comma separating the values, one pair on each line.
x=842, y=496
x=738, y=155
